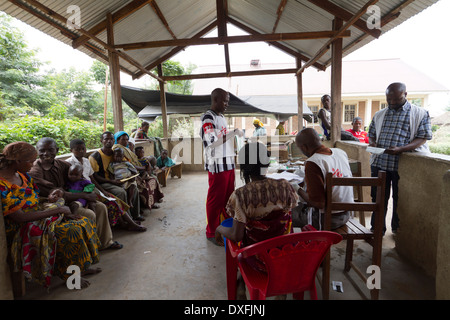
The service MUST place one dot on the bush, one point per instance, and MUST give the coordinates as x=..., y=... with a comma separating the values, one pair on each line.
x=31, y=129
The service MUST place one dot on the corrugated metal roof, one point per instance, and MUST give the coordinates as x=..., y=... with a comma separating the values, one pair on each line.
x=188, y=17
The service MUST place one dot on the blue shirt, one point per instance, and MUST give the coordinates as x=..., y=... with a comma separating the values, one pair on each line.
x=396, y=132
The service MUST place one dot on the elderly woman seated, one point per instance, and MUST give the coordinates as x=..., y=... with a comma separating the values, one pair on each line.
x=43, y=242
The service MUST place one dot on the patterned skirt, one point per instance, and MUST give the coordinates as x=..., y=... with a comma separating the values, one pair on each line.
x=49, y=246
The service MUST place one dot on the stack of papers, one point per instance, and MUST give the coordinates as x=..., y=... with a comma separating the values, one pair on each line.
x=291, y=177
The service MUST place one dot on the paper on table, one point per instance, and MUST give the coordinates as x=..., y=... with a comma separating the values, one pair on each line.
x=375, y=150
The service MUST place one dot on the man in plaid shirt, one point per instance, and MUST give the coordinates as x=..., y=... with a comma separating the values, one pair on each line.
x=399, y=128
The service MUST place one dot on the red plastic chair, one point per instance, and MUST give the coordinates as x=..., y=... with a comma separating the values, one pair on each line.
x=291, y=263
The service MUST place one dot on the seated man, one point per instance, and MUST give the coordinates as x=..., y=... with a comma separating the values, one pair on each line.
x=164, y=161
x=50, y=173
x=357, y=131
x=321, y=160
x=100, y=161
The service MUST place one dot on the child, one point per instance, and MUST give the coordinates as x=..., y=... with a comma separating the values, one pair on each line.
x=55, y=199
x=164, y=161
x=124, y=171
x=143, y=160
x=78, y=184
x=150, y=163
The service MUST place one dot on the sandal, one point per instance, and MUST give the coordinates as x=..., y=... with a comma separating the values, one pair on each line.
x=115, y=246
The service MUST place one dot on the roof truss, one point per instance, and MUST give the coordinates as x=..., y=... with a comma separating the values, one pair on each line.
x=89, y=38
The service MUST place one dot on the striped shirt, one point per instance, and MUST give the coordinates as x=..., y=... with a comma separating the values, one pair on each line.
x=214, y=126
x=396, y=132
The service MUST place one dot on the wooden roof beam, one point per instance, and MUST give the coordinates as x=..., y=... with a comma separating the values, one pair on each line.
x=271, y=37
x=387, y=18
x=339, y=12
x=229, y=74
x=117, y=16
x=222, y=13
x=282, y=47
x=279, y=13
x=108, y=47
x=176, y=50
x=161, y=17
x=64, y=31
x=347, y=25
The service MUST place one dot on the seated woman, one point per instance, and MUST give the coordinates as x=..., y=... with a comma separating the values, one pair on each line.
x=60, y=238
x=261, y=208
x=146, y=188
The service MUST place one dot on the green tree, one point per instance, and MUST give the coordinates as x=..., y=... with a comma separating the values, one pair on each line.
x=175, y=68
x=77, y=94
x=21, y=84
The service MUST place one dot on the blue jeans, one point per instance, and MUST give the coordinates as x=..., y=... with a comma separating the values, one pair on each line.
x=392, y=179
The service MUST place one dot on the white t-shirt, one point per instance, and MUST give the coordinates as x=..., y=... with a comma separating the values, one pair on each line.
x=337, y=163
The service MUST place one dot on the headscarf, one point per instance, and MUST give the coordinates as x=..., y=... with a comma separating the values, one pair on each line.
x=117, y=135
x=258, y=122
x=19, y=150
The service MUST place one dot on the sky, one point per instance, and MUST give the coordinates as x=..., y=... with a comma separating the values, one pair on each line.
x=421, y=41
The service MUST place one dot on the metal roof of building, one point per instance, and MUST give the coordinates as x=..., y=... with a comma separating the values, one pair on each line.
x=183, y=19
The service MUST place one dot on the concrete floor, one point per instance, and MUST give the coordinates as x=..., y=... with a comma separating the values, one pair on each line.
x=174, y=261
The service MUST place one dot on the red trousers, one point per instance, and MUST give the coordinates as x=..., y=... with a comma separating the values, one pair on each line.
x=221, y=186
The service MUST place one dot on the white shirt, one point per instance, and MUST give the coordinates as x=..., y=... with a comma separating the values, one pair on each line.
x=87, y=168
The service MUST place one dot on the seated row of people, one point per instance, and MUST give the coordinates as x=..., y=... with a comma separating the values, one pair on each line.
x=64, y=210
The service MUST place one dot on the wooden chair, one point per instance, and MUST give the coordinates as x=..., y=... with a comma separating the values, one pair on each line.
x=175, y=170
x=353, y=230
x=162, y=176
x=355, y=167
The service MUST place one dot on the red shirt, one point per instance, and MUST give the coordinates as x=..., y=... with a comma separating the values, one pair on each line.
x=361, y=135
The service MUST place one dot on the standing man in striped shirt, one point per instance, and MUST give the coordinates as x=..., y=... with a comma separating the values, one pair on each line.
x=218, y=145
x=399, y=128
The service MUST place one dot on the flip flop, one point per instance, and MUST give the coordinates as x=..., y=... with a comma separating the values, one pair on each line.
x=115, y=246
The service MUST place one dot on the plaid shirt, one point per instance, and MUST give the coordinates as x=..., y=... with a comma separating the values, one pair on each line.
x=396, y=132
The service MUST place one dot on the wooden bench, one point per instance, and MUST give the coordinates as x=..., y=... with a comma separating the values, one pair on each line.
x=175, y=170
x=353, y=230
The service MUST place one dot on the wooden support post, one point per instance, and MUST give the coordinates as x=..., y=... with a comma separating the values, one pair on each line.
x=299, y=95
x=162, y=91
x=114, y=68
x=336, y=84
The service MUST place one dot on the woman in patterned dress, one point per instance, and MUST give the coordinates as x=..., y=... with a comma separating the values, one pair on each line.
x=261, y=209
x=42, y=243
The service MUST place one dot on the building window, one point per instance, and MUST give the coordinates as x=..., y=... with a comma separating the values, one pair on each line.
x=417, y=102
x=383, y=105
x=349, y=112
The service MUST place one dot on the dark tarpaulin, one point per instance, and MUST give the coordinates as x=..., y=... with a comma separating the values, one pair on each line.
x=147, y=104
